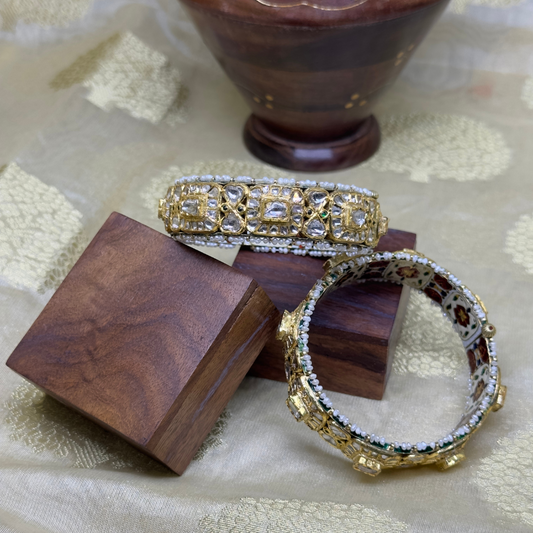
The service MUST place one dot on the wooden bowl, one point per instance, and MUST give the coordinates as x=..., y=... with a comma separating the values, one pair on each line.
x=312, y=73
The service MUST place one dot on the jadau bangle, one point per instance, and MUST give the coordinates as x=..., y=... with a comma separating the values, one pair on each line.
x=372, y=453
x=284, y=215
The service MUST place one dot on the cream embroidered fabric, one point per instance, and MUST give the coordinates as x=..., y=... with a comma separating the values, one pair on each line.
x=87, y=97
x=42, y=234
x=449, y=147
x=50, y=13
x=123, y=72
x=297, y=516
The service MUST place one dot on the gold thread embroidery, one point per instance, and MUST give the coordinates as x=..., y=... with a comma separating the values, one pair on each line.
x=229, y=167
x=41, y=233
x=506, y=476
x=428, y=346
x=448, y=147
x=297, y=516
x=44, y=424
x=213, y=440
x=519, y=243
x=123, y=72
x=59, y=13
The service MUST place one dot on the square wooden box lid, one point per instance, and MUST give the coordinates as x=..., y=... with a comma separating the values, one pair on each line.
x=148, y=338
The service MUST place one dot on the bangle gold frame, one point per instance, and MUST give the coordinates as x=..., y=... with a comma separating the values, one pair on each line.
x=369, y=453
x=273, y=215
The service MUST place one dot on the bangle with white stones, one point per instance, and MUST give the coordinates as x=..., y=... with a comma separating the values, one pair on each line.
x=372, y=453
x=283, y=215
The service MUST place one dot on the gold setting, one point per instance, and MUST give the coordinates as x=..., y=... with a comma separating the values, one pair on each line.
x=302, y=215
x=309, y=404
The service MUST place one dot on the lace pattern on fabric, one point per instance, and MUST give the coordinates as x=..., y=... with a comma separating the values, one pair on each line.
x=41, y=234
x=447, y=147
x=297, y=516
x=59, y=13
x=125, y=73
x=519, y=243
x=506, y=476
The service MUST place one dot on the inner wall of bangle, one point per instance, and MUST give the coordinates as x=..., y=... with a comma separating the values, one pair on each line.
x=458, y=304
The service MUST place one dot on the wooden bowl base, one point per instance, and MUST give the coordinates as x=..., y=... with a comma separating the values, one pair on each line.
x=312, y=157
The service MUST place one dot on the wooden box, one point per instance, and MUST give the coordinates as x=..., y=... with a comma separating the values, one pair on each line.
x=354, y=331
x=148, y=338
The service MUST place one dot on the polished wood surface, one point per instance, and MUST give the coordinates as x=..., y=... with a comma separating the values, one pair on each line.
x=346, y=152
x=354, y=330
x=312, y=76
x=148, y=338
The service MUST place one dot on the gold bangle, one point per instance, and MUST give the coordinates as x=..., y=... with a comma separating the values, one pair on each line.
x=372, y=453
x=284, y=215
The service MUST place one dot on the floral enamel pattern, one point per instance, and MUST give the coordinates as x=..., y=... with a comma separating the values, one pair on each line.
x=372, y=453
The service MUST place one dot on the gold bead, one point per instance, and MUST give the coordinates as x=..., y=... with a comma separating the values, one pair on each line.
x=448, y=462
x=488, y=331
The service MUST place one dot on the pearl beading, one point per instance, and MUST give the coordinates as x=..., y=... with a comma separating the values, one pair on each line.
x=309, y=402
x=344, y=219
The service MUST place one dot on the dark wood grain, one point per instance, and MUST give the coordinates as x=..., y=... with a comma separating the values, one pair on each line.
x=354, y=330
x=312, y=77
x=147, y=337
x=319, y=157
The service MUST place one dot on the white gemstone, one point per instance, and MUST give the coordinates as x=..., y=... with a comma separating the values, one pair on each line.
x=213, y=193
x=275, y=210
x=252, y=225
x=212, y=214
x=336, y=210
x=212, y=203
x=234, y=193
x=285, y=191
x=209, y=225
x=253, y=203
x=262, y=228
x=359, y=217
x=338, y=200
x=297, y=209
x=191, y=206
x=232, y=223
x=255, y=193
x=315, y=228
x=297, y=196
x=317, y=197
